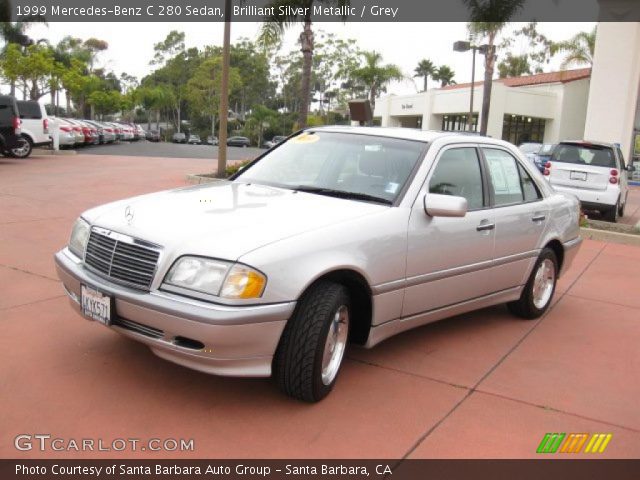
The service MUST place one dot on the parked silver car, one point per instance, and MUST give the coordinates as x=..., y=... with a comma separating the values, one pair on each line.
x=338, y=234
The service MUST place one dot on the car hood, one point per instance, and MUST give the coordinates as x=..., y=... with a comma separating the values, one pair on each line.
x=225, y=219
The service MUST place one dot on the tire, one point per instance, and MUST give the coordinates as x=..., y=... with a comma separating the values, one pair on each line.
x=611, y=215
x=621, y=210
x=305, y=366
x=23, y=150
x=533, y=302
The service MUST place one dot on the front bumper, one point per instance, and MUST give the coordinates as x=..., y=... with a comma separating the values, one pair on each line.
x=570, y=251
x=233, y=341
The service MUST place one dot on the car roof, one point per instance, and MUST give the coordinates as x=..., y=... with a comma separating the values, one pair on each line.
x=588, y=142
x=395, y=132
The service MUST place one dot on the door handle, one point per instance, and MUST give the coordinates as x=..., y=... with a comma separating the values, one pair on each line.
x=485, y=226
x=538, y=218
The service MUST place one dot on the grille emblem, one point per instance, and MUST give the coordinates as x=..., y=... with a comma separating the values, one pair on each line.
x=128, y=214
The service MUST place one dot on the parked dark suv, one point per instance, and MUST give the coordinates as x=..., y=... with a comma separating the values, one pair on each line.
x=9, y=124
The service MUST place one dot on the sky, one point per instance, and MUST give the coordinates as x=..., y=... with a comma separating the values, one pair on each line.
x=404, y=44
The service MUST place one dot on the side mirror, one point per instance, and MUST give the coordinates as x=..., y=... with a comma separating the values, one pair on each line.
x=631, y=168
x=444, y=205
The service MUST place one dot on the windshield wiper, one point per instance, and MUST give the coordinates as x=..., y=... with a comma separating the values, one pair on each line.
x=342, y=194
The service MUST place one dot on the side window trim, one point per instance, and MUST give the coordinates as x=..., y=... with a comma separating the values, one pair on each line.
x=490, y=182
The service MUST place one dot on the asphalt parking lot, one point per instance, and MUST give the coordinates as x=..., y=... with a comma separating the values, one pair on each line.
x=482, y=385
x=143, y=148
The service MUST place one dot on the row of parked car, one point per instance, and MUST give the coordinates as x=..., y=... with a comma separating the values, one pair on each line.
x=25, y=124
x=235, y=141
x=181, y=137
x=595, y=172
x=78, y=132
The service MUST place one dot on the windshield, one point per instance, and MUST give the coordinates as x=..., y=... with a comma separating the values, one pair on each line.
x=546, y=149
x=593, y=155
x=362, y=167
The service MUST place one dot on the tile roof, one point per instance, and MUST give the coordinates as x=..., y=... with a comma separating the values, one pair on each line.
x=564, y=76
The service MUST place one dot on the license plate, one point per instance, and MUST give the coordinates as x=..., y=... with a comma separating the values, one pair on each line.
x=96, y=305
x=578, y=176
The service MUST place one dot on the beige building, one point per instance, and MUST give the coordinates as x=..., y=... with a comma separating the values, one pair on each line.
x=613, y=112
x=537, y=108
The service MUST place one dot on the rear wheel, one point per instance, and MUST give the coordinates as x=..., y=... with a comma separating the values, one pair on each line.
x=621, y=210
x=538, y=292
x=313, y=343
x=23, y=148
x=612, y=214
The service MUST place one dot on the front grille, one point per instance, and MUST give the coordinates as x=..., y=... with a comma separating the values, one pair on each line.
x=127, y=262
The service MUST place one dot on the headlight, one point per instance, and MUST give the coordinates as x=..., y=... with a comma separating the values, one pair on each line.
x=216, y=277
x=79, y=237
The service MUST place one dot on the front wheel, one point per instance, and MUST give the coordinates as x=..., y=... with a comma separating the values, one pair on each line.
x=313, y=343
x=538, y=292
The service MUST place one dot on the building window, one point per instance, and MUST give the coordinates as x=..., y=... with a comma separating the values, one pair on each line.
x=456, y=122
x=519, y=129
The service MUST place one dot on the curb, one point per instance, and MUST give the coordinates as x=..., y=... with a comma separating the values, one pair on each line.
x=38, y=151
x=197, y=179
x=612, y=237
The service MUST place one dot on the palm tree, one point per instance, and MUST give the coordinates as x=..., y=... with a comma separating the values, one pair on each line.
x=375, y=76
x=299, y=11
x=445, y=75
x=579, y=49
x=487, y=20
x=425, y=69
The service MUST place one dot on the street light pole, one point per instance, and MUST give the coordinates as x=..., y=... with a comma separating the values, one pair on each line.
x=464, y=46
x=224, y=93
x=473, y=81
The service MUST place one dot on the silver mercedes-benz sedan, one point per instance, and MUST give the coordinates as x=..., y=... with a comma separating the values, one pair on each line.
x=336, y=235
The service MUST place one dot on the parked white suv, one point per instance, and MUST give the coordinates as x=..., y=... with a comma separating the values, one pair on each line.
x=35, y=128
x=594, y=172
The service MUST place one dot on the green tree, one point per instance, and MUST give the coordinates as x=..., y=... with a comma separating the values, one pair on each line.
x=15, y=33
x=532, y=56
x=203, y=89
x=488, y=18
x=93, y=47
x=376, y=76
x=273, y=29
x=31, y=67
x=578, y=50
x=514, y=66
x=105, y=102
x=260, y=119
x=171, y=46
x=445, y=76
x=177, y=68
x=424, y=70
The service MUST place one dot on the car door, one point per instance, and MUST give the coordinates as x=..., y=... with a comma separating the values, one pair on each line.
x=447, y=258
x=521, y=215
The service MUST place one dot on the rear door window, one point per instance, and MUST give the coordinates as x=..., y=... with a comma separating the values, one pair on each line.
x=510, y=181
x=30, y=110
